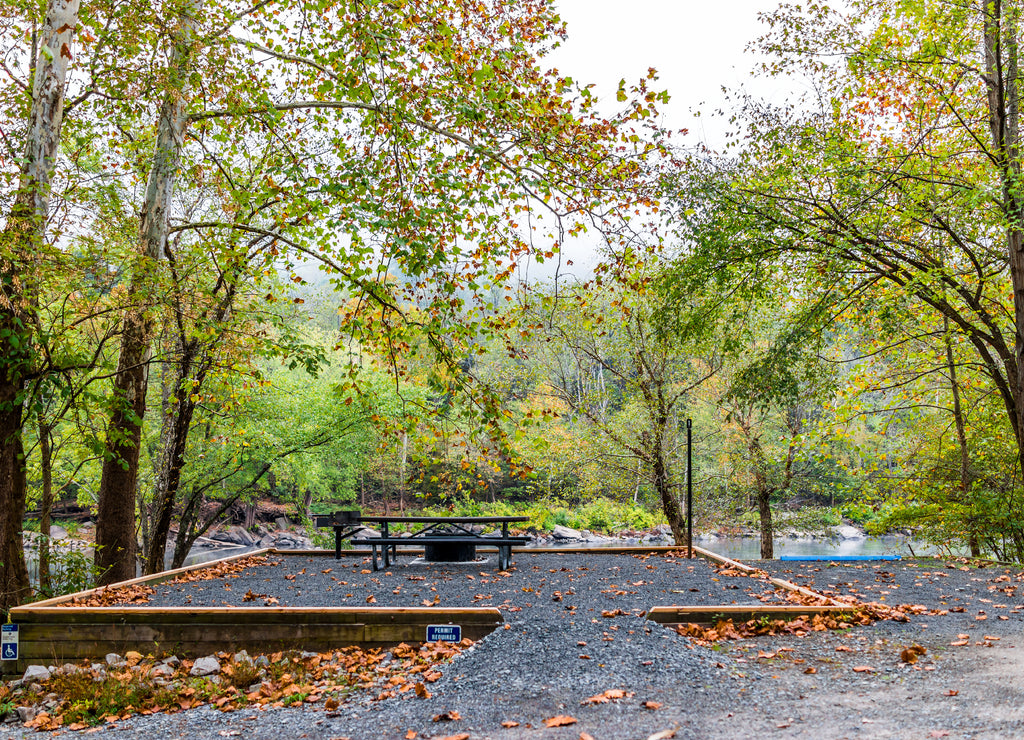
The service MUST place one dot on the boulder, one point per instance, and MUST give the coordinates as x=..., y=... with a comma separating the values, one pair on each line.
x=27, y=714
x=234, y=536
x=564, y=533
x=35, y=673
x=114, y=660
x=847, y=532
x=282, y=522
x=207, y=666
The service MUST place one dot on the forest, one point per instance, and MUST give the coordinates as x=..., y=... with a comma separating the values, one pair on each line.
x=314, y=255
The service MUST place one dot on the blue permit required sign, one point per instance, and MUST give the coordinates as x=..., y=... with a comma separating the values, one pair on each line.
x=9, y=642
x=444, y=632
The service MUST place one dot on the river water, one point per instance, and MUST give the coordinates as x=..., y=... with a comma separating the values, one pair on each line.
x=749, y=548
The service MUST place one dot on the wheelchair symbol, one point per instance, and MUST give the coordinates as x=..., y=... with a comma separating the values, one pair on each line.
x=10, y=652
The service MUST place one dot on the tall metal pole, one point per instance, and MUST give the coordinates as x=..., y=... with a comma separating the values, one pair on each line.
x=689, y=487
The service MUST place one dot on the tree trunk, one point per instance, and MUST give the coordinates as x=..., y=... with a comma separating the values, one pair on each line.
x=173, y=445
x=45, y=506
x=115, y=521
x=961, y=438
x=763, y=492
x=663, y=485
x=20, y=241
x=1001, y=78
x=401, y=472
x=14, y=583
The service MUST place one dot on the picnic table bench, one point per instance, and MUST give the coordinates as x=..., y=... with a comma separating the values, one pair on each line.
x=458, y=532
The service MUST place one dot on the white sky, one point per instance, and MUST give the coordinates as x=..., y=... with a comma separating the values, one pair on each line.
x=697, y=47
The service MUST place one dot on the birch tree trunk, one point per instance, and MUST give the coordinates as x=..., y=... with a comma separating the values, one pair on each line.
x=115, y=522
x=21, y=239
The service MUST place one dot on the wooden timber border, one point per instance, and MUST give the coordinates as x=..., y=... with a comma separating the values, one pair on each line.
x=51, y=633
x=673, y=616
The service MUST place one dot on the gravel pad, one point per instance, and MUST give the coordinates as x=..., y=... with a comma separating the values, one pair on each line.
x=846, y=684
x=588, y=582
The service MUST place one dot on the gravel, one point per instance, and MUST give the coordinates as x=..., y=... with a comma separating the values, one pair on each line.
x=538, y=668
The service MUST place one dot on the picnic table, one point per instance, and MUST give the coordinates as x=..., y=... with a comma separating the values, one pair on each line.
x=457, y=532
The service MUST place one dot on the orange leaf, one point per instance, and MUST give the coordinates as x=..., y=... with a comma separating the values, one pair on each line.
x=507, y=724
x=652, y=705
x=450, y=716
x=561, y=720
x=863, y=669
x=410, y=735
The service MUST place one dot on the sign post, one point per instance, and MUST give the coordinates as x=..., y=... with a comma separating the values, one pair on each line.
x=444, y=632
x=9, y=642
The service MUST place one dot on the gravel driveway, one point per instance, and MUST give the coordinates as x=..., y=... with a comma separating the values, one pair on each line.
x=559, y=651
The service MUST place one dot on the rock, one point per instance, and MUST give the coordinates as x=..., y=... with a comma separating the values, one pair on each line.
x=58, y=533
x=114, y=660
x=242, y=657
x=367, y=532
x=663, y=529
x=161, y=669
x=132, y=658
x=35, y=673
x=234, y=536
x=282, y=522
x=564, y=533
x=207, y=666
x=174, y=661
x=27, y=714
x=847, y=532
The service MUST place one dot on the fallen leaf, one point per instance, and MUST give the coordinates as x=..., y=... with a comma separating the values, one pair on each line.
x=939, y=733
x=908, y=656
x=450, y=716
x=863, y=669
x=586, y=736
x=421, y=691
x=652, y=705
x=508, y=724
x=371, y=599
x=951, y=692
x=960, y=643
x=811, y=670
x=663, y=735
x=460, y=736
x=410, y=735
x=561, y=720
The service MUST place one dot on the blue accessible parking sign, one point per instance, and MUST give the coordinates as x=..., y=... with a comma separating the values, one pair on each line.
x=9, y=642
x=444, y=632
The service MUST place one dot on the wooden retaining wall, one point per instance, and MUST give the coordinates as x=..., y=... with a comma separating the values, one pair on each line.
x=673, y=616
x=51, y=634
